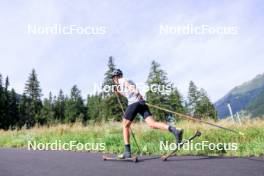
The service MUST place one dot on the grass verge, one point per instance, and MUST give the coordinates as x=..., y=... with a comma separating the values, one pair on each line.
x=251, y=144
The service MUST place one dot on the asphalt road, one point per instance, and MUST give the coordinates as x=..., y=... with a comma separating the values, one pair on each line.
x=21, y=162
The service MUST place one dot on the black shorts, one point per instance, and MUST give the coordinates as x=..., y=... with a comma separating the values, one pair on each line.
x=133, y=109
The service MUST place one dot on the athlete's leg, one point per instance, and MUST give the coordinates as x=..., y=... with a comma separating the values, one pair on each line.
x=128, y=117
x=159, y=125
x=126, y=132
x=126, y=135
x=154, y=124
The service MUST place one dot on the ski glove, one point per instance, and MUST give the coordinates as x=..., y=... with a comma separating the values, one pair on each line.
x=142, y=102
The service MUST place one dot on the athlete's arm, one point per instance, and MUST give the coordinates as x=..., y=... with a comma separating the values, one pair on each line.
x=116, y=91
x=132, y=88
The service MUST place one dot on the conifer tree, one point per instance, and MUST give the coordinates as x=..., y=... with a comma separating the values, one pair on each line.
x=60, y=107
x=193, y=96
x=47, y=111
x=1, y=102
x=6, y=106
x=74, y=106
x=108, y=75
x=25, y=116
x=204, y=107
x=157, y=82
x=13, y=109
x=32, y=100
x=176, y=101
x=111, y=109
x=94, y=106
x=199, y=104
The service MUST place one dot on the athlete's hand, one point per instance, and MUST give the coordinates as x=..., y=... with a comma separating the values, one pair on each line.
x=115, y=88
x=142, y=102
x=140, y=97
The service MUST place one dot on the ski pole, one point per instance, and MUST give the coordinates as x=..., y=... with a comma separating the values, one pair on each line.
x=194, y=119
x=132, y=133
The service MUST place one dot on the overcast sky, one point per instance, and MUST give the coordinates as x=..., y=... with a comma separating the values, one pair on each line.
x=132, y=36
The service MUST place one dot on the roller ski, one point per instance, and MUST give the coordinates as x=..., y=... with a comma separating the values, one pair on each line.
x=180, y=144
x=126, y=156
x=132, y=158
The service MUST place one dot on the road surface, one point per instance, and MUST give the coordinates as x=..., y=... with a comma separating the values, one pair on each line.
x=22, y=162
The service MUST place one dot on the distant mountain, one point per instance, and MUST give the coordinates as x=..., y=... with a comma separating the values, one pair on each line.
x=256, y=107
x=247, y=96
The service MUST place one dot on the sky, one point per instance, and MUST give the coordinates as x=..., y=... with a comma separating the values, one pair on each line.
x=215, y=62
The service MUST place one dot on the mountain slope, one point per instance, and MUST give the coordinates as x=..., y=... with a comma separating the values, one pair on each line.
x=241, y=97
x=256, y=107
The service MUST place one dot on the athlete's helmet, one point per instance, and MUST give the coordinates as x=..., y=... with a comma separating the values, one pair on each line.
x=117, y=72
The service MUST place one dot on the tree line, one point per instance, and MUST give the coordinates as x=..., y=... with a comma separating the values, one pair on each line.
x=29, y=109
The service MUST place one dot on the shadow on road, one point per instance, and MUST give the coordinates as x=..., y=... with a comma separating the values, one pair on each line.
x=149, y=158
x=196, y=158
x=183, y=158
x=177, y=159
x=191, y=158
x=255, y=159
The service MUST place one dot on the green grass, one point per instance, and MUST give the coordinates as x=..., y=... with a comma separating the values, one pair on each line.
x=251, y=144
